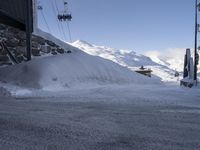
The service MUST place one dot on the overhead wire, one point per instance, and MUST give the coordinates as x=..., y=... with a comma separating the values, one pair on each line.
x=45, y=21
x=39, y=7
x=54, y=10
x=60, y=26
x=70, y=36
x=65, y=37
x=67, y=23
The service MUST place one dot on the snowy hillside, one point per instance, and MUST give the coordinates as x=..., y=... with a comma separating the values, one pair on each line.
x=76, y=69
x=128, y=58
x=172, y=58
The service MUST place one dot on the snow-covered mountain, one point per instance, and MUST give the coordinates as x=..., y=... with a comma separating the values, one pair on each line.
x=122, y=57
x=172, y=58
x=130, y=59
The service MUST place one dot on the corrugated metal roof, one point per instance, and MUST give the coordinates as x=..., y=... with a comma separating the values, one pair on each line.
x=14, y=9
x=13, y=12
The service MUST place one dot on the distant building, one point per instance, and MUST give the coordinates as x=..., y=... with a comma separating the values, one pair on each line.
x=144, y=71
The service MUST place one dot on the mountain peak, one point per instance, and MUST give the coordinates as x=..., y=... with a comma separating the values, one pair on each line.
x=82, y=42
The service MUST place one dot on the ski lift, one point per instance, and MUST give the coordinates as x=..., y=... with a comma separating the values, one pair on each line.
x=40, y=7
x=60, y=17
x=65, y=15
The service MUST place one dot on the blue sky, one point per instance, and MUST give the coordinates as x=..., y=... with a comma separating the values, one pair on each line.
x=140, y=25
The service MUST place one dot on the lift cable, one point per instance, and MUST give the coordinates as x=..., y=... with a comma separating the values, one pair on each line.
x=67, y=22
x=43, y=16
x=45, y=22
x=65, y=37
x=70, y=36
x=54, y=10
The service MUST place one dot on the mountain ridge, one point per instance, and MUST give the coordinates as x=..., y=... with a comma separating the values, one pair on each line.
x=129, y=59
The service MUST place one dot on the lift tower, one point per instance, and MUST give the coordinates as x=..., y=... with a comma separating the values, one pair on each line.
x=197, y=27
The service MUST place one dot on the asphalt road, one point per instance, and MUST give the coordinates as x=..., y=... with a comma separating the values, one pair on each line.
x=49, y=124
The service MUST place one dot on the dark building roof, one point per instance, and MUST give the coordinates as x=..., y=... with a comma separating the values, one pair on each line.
x=13, y=13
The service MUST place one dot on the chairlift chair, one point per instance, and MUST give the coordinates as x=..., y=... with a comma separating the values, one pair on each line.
x=40, y=7
x=67, y=17
x=64, y=17
x=60, y=17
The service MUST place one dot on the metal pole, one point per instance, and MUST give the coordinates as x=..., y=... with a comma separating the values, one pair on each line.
x=35, y=15
x=28, y=28
x=195, y=45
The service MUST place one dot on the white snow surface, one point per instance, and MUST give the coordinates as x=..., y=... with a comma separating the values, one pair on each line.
x=130, y=59
x=67, y=71
x=48, y=75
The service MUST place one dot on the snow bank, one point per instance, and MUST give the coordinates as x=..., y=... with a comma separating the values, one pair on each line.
x=7, y=90
x=76, y=70
x=69, y=70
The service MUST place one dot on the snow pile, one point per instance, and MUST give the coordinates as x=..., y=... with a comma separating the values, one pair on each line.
x=7, y=90
x=4, y=91
x=76, y=69
x=129, y=59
